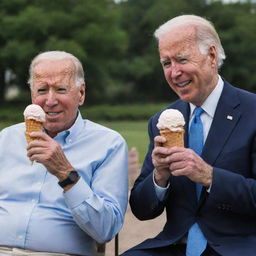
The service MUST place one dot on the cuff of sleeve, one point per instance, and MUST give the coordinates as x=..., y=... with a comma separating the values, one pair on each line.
x=79, y=193
x=209, y=189
x=160, y=191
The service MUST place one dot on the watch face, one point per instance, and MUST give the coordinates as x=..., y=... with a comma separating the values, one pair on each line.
x=71, y=179
x=73, y=176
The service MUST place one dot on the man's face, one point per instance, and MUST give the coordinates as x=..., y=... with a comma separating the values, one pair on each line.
x=190, y=74
x=55, y=91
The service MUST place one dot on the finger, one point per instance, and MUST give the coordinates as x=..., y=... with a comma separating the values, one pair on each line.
x=37, y=144
x=159, y=140
x=40, y=135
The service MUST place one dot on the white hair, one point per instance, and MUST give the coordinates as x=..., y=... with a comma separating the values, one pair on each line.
x=58, y=55
x=205, y=33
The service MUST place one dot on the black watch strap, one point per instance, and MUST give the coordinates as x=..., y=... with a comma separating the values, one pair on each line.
x=72, y=178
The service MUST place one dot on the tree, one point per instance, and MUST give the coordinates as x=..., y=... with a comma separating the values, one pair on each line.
x=88, y=29
x=143, y=71
x=235, y=24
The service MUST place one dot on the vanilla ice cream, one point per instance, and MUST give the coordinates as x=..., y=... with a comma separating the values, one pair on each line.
x=171, y=119
x=34, y=112
x=170, y=125
x=34, y=117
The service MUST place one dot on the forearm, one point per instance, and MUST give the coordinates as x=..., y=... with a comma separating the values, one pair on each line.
x=144, y=201
x=101, y=217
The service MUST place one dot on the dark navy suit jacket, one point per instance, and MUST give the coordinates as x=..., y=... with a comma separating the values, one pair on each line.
x=226, y=215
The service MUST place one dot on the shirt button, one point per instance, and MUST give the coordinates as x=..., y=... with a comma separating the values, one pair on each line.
x=20, y=237
x=33, y=201
x=69, y=140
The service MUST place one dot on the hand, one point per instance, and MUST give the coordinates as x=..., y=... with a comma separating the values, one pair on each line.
x=161, y=162
x=184, y=161
x=179, y=161
x=48, y=152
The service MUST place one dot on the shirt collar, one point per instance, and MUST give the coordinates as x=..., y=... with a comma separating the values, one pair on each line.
x=69, y=135
x=210, y=104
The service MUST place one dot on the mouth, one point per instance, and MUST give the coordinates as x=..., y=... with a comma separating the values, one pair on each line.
x=183, y=84
x=52, y=114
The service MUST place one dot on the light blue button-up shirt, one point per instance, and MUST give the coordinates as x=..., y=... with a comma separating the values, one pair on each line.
x=36, y=214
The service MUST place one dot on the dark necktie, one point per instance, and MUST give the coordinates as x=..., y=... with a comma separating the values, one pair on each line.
x=196, y=242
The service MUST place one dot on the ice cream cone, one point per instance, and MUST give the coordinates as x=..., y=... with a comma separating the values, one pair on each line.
x=34, y=117
x=32, y=126
x=170, y=125
x=173, y=138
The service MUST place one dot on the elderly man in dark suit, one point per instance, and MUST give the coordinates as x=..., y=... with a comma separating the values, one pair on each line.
x=221, y=218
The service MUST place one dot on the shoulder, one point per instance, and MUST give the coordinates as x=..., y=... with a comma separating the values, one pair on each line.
x=13, y=137
x=101, y=131
x=239, y=96
x=14, y=130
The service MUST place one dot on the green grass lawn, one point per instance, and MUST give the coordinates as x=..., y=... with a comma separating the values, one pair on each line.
x=134, y=132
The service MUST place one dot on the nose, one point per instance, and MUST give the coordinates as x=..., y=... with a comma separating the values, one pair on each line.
x=51, y=99
x=175, y=71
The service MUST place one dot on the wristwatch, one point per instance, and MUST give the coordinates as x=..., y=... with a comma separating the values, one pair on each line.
x=72, y=178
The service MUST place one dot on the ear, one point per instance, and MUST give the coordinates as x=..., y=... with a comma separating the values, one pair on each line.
x=82, y=94
x=213, y=57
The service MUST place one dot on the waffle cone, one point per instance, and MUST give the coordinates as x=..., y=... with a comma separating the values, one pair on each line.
x=32, y=126
x=173, y=138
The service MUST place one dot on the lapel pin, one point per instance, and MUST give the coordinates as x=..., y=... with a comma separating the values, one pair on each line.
x=229, y=117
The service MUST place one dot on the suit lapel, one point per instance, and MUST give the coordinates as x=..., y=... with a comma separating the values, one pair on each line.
x=225, y=119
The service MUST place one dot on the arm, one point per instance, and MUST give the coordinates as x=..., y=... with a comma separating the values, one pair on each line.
x=143, y=200
x=99, y=209
x=97, y=206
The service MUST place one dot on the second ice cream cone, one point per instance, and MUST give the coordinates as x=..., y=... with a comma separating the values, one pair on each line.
x=171, y=126
x=173, y=138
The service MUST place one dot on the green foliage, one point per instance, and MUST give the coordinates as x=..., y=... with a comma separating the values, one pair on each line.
x=115, y=42
x=88, y=29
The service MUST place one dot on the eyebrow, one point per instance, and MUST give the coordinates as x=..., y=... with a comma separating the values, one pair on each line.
x=163, y=60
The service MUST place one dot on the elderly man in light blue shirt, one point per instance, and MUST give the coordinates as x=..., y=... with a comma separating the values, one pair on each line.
x=75, y=192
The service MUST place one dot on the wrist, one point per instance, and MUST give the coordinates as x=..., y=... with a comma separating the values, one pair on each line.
x=208, y=179
x=161, y=178
x=71, y=178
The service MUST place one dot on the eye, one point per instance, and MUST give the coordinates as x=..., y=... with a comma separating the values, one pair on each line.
x=61, y=90
x=182, y=60
x=41, y=90
x=166, y=63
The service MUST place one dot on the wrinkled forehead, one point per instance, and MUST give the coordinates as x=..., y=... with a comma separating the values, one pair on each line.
x=178, y=40
x=182, y=33
x=53, y=68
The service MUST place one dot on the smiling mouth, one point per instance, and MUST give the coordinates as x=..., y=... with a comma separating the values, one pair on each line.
x=52, y=113
x=183, y=84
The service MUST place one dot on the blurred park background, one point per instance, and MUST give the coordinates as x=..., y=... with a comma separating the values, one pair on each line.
x=114, y=41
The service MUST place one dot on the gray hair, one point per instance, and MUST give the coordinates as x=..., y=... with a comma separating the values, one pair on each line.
x=205, y=32
x=58, y=55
